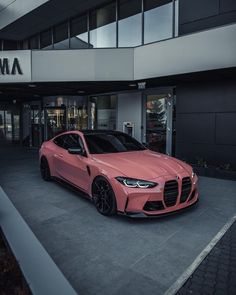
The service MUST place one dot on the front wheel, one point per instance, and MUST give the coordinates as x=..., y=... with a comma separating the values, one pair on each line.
x=104, y=197
x=45, y=170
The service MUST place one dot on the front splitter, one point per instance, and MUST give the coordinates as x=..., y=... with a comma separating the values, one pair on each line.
x=143, y=215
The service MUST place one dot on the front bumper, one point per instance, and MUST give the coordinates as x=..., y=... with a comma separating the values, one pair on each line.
x=159, y=215
x=158, y=201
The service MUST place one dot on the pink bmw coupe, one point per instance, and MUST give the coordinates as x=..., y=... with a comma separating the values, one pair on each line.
x=118, y=173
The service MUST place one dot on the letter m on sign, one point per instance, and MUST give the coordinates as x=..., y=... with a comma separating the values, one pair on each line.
x=4, y=66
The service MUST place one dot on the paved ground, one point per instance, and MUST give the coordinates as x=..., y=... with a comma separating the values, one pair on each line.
x=217, y=273
x=101, y=255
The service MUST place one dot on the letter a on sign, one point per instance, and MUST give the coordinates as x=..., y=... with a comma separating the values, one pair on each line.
x=16, y=67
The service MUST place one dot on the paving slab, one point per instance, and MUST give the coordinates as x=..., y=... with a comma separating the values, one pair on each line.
x=117, y=255
x=217, y=272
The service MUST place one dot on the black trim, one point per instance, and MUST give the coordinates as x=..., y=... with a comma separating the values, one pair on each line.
x=145, y=215
x=88, y=169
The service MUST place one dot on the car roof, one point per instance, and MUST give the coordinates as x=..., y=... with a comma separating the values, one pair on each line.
x=90, y=131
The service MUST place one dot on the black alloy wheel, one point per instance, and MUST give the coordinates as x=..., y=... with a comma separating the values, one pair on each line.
x=104, y=197
x=45, y=170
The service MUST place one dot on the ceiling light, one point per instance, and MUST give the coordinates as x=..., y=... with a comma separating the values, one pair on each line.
x=80, y=91
x=132, y=85
x=32, y=85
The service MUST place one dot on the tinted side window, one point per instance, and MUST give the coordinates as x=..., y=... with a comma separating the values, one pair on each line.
x=59, y=140
x=72, y=141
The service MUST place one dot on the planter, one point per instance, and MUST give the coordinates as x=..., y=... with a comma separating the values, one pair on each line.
x=210, y=171
x=225, y=174
x=201, y=171
x=214, y=172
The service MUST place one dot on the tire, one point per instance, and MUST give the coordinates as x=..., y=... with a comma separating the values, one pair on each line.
x=104, y=197
x=45, y=170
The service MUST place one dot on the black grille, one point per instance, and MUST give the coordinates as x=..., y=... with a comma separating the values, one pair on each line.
x=186, y=189
x=153, y=206
x=171, y=193
x=192, y=195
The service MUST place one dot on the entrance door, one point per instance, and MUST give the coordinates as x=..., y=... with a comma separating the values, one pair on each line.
x=10, y=125
x=55, y=121
x=159, y=109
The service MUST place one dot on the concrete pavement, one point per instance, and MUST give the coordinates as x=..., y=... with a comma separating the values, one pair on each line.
x=101, y=255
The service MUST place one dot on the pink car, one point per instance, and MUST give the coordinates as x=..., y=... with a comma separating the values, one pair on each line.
x=118, y=173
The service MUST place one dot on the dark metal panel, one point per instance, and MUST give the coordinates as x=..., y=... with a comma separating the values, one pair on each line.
x=213, y=154
x=195, y=128
x=207, y=23
x=227, y=5
x=190, y=152
x=206, y=120
x=226, y=128
x=192, y=10
x=206, y=97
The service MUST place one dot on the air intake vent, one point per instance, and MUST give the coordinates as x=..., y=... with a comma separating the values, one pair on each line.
x=186, y=189
x=171, y=192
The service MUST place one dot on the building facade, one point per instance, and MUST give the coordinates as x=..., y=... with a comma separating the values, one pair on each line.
x=162, y=70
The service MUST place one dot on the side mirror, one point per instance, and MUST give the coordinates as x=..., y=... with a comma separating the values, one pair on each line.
x=76, y=151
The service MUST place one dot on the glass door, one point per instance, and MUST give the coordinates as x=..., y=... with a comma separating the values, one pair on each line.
x=55, y=121
x=16, y=127
x=2, y=125
x=10, y=125
x=159, y=109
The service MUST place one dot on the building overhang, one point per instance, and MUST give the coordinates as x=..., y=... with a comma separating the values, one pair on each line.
x=203, y=52
x=17, y=17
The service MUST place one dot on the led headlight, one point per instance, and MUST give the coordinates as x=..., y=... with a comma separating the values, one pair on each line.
x=131, y=182
x=193, y=174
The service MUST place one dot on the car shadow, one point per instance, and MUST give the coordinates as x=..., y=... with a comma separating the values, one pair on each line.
x=122, y=217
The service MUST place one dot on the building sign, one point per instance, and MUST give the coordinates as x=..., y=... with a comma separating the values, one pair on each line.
x=6, y=68
x=15, y=66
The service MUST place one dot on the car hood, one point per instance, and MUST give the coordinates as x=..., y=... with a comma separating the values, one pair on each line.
x=142, y=164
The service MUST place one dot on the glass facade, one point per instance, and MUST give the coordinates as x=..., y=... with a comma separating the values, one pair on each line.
x=158, y=17
x=103, y=26
x=34, y=42
x=79, y=32
x=120, y=23
x=102, y=112
x=9, y=124
x=65, y=113
x=60, y=36
x=130, y=23
x=46, y=40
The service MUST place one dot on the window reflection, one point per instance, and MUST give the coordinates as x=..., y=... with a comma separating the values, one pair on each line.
x=156, y=116
x=77, y=113
x=103, y=26
x=130, y=23
x=103, y=112
x=60, y=36
x=158, y=20
x=46, y=39
x=34, y=42
x=79, y=32
x=99, y=27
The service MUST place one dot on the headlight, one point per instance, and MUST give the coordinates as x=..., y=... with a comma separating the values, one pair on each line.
x=131, y=182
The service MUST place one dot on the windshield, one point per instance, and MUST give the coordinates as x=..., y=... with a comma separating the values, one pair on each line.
x=104, y=143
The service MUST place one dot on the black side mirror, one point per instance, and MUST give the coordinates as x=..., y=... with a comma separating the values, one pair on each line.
x=76, y=151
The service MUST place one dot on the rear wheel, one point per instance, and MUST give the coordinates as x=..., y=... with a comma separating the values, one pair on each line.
x=104, y=197
x=45, y=170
